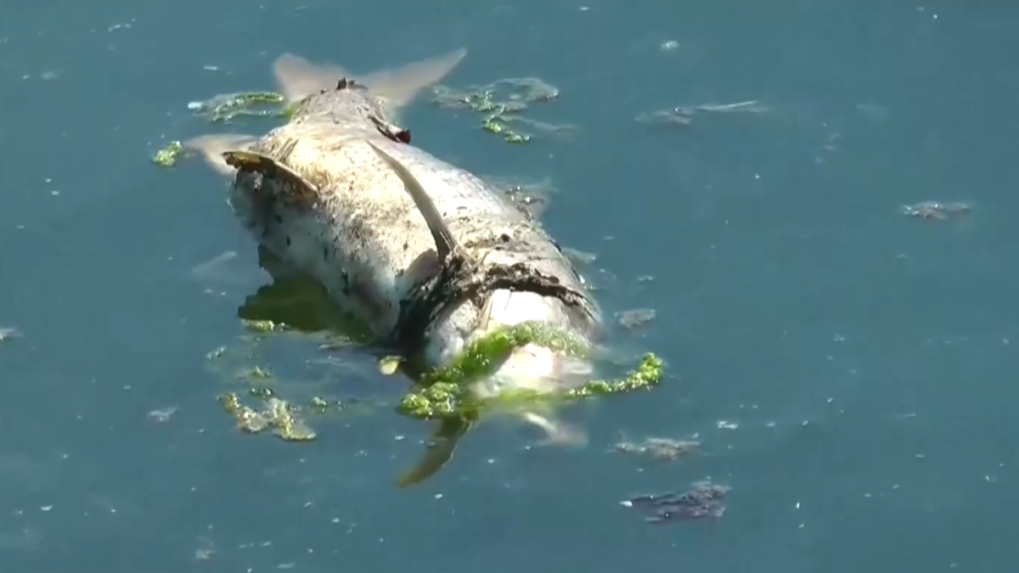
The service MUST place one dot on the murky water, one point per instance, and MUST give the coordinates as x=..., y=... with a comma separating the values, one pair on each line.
x=740, y=168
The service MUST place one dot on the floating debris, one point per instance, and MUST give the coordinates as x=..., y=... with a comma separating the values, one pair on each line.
x=280, y=416
x=162, y=415
x=674, y=116
x=255, y=374
x=933, y=210
x=9, y=333
x=502, y=102
x=631, y=319
x=169, y=155
x=683, y=115
x=388, y=365
x=530, y=198
x=669, y=46
x=704, y=500
x=262, y=326
x=665, y=449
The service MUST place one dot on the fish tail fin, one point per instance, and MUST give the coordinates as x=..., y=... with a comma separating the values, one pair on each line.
x=400, y=85
x=298, y=78
x=438, y=452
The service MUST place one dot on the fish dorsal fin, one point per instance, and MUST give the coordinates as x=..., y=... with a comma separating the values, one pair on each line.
x=298, y=78
x=298, y=190
x=444, y=242
x=394, y=132
x=400, y=85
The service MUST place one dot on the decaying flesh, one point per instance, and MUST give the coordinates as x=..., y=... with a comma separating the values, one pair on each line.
x=422, y=252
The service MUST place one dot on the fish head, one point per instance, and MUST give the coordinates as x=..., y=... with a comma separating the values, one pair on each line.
x=533, y=367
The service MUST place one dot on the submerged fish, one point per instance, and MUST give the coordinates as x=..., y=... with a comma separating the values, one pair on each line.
x=425, y=254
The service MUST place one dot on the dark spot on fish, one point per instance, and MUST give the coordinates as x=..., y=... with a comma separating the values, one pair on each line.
x=325, y=253
x=504, y=237
x=346, y=283
x=288, y=241
x=406, y=246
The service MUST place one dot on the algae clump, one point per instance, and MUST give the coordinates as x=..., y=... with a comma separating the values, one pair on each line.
x=501, y=103
x=168, y=155
x=446, y=393
x=249, y=104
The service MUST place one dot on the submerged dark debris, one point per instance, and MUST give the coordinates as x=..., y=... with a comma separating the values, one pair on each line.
x=704, y=499
x=631, y=319
x=934, y=210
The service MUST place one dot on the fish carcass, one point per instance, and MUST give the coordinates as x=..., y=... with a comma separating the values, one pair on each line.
x=418, y=250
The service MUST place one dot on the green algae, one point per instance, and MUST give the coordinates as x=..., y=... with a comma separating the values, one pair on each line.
x=225, y=108
x=501, y=105
x=446, y=392
x=170, y=154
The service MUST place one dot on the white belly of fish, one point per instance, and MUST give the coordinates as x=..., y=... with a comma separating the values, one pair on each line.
x=361, y=238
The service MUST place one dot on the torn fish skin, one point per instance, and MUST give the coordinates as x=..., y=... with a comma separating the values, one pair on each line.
x=417, y=249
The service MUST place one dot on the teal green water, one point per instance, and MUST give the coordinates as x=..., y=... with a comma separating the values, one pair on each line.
x=847, y=369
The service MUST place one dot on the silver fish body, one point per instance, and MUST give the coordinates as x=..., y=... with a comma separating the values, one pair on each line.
x=339, y=194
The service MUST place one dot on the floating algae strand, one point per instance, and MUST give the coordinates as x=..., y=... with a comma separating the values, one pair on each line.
x=249, y=104
x=224, y=108
x=170, y=154
x=282, y=417
x=446, y=393
x=501, y=104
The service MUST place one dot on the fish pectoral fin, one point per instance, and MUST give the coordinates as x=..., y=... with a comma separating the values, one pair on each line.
x=438, y=452
x=212, y=147
x=400, y=85
x=298, y=190
x=444, y=242
x=298, y=78
x=394, y=132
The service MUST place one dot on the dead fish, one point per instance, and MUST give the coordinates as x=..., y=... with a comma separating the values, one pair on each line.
x=425, y=254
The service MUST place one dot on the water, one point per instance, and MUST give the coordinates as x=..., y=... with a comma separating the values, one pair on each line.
x=847, y=369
